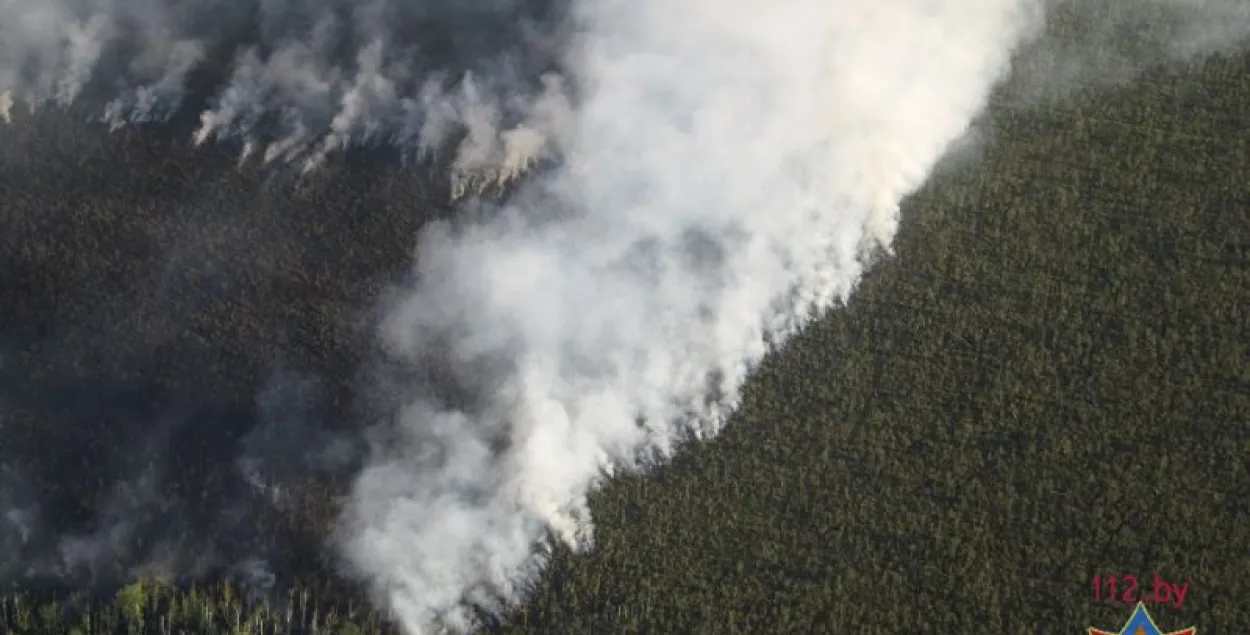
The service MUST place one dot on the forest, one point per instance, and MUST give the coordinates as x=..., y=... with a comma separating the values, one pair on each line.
x=1048, y=381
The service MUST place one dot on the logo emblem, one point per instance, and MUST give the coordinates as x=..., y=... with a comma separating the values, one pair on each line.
x=1140, y=623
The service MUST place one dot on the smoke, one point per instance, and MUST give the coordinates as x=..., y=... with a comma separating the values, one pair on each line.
x=728, y=170
x=718, y=174
x=1101, y=44
x=153, y=510
x=294, y=80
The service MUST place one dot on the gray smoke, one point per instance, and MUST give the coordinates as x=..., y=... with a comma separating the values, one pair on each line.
x=293, y=80
x=142, y=518
x=719, y=174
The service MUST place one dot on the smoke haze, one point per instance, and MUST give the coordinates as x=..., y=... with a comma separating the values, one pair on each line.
x=295, y=80
x=717, y=175
x=1102, y=44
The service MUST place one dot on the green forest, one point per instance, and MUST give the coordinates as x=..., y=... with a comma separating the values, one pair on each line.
x=1048, y=381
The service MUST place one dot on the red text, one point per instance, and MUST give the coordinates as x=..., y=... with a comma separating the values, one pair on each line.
x=1130, y=589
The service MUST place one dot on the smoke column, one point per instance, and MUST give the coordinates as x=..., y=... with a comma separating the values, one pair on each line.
x=725, y=179
x=727, y=171
x=719, y=175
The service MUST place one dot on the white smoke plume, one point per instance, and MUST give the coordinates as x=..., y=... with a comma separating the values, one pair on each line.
x=727, y=171
x=728, y=168
x=722, y=169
